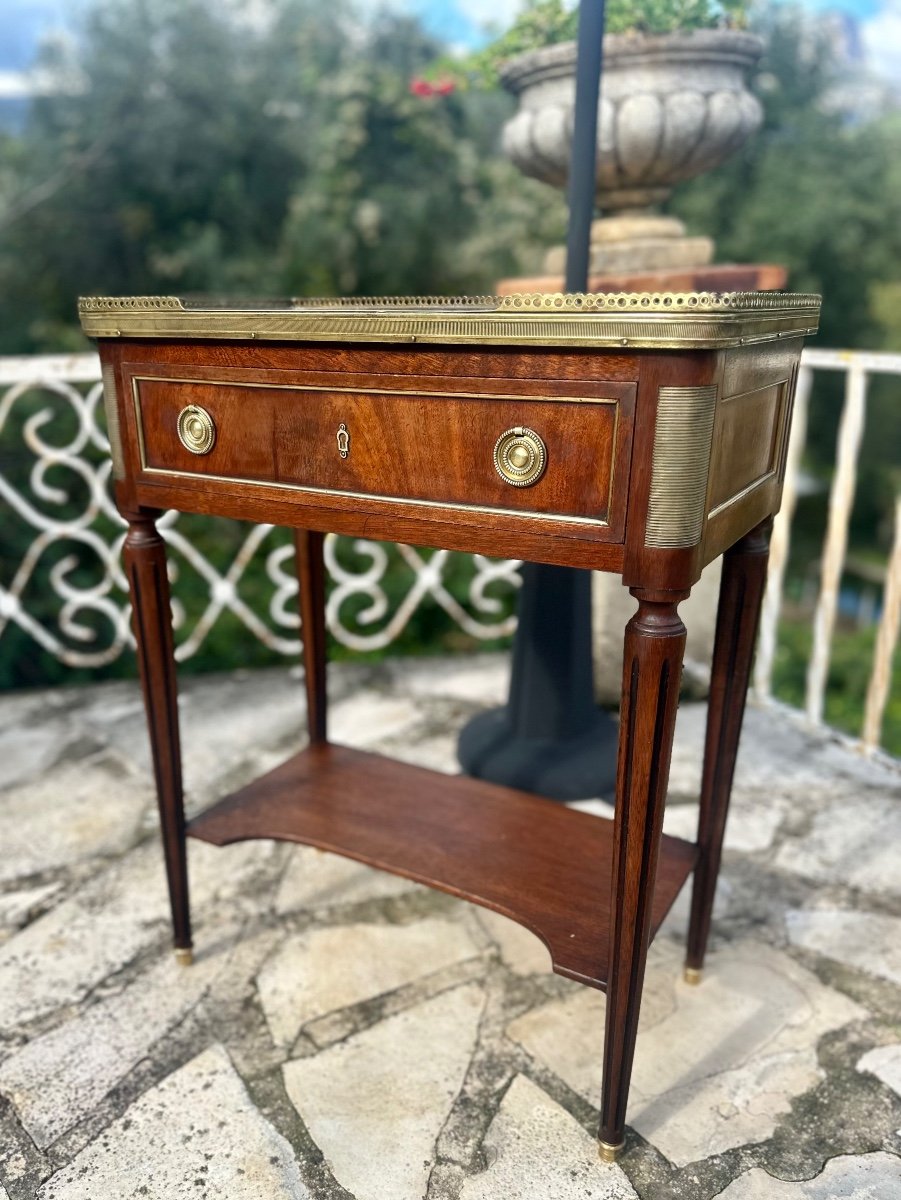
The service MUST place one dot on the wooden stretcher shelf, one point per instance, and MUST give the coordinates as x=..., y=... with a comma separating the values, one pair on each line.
x=545, y=866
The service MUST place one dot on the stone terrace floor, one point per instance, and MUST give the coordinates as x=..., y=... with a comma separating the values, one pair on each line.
x=344, y=1033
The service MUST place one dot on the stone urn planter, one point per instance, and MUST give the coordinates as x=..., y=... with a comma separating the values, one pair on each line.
x=671, y=107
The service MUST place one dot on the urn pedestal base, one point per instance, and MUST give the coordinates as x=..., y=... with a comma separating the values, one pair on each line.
x=637, y=241
x=718, y=277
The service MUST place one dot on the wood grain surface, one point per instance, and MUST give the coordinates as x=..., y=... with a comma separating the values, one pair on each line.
x=654, y=646
x=144, y=558
x=741, y=594
x=415, y=445
x=545, y=866
x=308, y=555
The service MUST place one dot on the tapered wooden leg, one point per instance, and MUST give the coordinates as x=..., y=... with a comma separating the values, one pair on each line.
x=652, y=669
x=144, y=555
x=308, y=546
x=741, y=594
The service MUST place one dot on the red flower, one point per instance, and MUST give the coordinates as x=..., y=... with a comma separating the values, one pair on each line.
x=421, y=87
x=445, y=87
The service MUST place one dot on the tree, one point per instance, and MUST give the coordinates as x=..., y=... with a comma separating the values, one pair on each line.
x=203, y=154
x=816, y=189
x=819, y=190
x=194, y=152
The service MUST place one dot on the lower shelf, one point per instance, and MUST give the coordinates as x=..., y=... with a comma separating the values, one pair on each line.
x=545, y=866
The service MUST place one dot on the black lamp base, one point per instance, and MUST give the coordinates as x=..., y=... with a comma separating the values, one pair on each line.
x=551, y=738
x=576, y=768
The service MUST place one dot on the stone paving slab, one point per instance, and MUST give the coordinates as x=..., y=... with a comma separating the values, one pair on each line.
x=314, y=880
x=105, y=802
x=869, y=941
x=324, y=970
x=839, y=848
x=345, y=1034
x=869, y=1177
x=885, y=1063
x=117, y=914
x=198, y=1134
x=376, y=1104
x=18, y=907
x=86, y=1056
x=738, y=1048
x=533, y=1148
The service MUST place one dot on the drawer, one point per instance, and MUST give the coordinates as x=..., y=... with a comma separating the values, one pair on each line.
x=558, y=458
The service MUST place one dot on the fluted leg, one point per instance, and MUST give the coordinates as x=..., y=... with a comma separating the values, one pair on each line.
x=144, y=555
x=308, y=546
x=652, y=668
x=741, y=595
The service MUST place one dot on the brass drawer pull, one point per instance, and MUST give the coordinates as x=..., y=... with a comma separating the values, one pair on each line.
x=196, y=429
x=520, y=456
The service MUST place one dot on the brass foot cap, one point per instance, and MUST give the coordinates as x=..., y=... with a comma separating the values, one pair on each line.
x=693, y=975
x=608, y=1153
x=184, y=956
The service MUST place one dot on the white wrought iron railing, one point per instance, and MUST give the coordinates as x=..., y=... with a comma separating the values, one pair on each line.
x=857, y=366
x=73, y=382
x=60, y=388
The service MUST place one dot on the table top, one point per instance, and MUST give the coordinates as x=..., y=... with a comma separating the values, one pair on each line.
x=641, y=320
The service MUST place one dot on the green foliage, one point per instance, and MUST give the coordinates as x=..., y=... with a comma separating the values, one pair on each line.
x=815, y=190
x=885, y=310
x=820, y=192
x=207, y=155
x=394, y=169
x=849, y=672
x=547, y=22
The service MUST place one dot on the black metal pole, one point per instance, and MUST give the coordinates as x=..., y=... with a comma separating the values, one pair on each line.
x=551, y=738
x=583, y=163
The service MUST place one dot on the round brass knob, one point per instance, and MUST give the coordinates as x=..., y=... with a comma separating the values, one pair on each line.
x=196, y=429
x=520, y=456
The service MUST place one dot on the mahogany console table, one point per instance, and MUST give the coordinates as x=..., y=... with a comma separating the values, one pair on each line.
x=639, y=434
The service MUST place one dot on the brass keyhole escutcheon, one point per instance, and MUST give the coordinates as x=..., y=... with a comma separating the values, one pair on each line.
x=520, y=456
x=343, y=440
x=196, y=429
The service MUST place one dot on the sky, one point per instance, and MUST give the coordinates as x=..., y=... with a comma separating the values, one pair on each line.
x=462, y=23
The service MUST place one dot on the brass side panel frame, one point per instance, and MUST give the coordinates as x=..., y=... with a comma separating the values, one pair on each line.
x=671, y=320
x=113, y=427
x=682, y=441
x=306, y=489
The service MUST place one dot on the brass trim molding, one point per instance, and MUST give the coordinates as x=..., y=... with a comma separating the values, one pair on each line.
x=666, y=320
x=681, y=463
x=243, y=384
x=113, y=428
x=562, y=518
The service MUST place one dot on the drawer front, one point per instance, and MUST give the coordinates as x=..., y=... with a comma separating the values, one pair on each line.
x=412, y=445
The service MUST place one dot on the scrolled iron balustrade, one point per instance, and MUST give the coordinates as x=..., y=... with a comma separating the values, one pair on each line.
x=70, y=387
